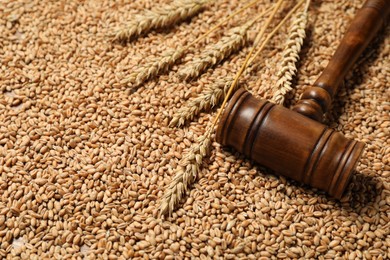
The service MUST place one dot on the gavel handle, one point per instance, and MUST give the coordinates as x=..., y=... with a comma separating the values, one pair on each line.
x=316, y=100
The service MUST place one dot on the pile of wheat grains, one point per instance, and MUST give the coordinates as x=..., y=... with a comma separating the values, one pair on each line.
x=85, y=160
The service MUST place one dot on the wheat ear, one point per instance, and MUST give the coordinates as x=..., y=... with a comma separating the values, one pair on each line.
x=290, y=57
x=210, y=97
x=213, y=54
x=212, y=93
x=235, y=39
x=160, y=17
x=153, y=67
x=186, y=174
x=164, y=62
x=247, y=60
x=190, y=164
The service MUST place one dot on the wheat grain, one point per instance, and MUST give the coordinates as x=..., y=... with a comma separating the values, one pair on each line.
x=160, y=17
x=106, y=156
x=239, y=248
x=153, y=67
x=213, y=54
x=209, y=98
x=186, y=173
x=290, y=57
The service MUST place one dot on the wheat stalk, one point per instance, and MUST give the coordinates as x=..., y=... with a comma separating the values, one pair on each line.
x=210, y=96
x=189, y=168
x=186, y=174
x=274, y=31
x=154, y=67
x=290, y=56
x=213, y=54
x=160, y=17
x=163, y=63
x=248, y=59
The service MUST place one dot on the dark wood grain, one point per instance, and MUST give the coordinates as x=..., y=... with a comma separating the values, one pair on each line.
x=293, y=144
x=316, y=100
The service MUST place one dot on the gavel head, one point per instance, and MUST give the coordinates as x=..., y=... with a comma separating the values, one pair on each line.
x=289, y=143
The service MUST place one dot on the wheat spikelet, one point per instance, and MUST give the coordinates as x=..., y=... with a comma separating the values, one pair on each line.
x=160, y=17
x=209, y=98
x=290, y=57
x=213, y=54
x=153, y=67
x=186, y=174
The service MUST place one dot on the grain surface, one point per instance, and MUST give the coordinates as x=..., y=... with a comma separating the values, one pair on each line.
x=85, y=160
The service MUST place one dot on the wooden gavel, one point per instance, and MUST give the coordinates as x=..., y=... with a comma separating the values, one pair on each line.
x=294, y=144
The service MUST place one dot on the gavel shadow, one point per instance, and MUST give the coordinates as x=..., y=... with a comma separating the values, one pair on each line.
x=362, y=190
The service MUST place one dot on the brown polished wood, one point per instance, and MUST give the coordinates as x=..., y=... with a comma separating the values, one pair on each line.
x=316, y=100
x=289, y=143
x=293, y=144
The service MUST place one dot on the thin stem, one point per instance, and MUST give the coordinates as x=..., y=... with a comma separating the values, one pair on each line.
x=250, y=23
x=307, y=5
x=239, y=73
x=222, y=22
x=234, y=39
x=292, y=11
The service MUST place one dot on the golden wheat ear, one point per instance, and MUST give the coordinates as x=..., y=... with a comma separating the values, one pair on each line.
x=290, y=56
x=153, y=67
x=160, y=17
x=209, y=98
x=186, y=174
x=214, y=54
x=233, y=41
x=215, y=92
